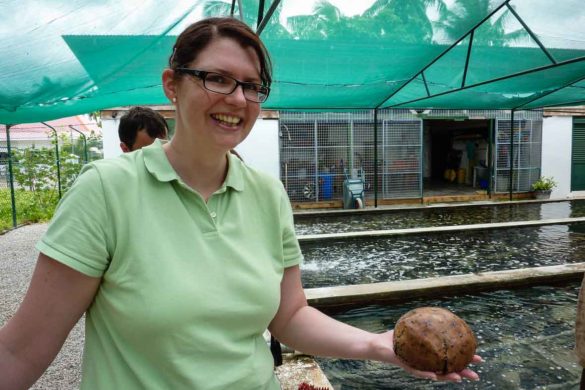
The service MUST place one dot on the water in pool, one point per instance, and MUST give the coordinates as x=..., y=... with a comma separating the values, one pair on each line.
x=525, y=336
x=357, y=261
x=437, y=216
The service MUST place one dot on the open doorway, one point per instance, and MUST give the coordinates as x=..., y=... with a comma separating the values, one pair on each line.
x=455, y=157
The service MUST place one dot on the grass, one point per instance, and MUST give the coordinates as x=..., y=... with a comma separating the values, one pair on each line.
x=31, y=207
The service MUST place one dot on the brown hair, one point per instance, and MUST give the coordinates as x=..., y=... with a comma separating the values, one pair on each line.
x=197, y=36
x=141, y=118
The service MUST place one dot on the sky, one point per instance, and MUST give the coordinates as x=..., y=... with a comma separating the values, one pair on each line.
x=348, y=8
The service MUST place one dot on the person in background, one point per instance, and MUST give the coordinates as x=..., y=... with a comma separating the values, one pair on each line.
x=178, y=296
x=139, y=127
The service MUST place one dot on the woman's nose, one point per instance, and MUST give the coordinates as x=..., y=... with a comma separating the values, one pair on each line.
x=237, y=97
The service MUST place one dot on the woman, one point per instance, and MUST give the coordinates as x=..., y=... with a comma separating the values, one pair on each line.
x=185, y=255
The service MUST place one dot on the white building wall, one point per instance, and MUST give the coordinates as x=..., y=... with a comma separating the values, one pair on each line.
x=556, y=153
x=110, y=137
x=259, y=150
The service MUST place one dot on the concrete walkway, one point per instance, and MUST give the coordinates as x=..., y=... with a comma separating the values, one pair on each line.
x=17, y=260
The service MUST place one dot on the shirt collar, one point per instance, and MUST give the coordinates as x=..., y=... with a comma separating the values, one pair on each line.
x=235, y=175
x=157, y=163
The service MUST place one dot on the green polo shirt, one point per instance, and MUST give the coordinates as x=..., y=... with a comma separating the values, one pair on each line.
x=188, y=287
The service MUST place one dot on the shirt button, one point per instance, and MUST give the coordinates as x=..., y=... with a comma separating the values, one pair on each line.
x=213, y=214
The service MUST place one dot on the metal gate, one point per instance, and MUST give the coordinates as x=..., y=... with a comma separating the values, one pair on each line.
x=526, y=152
x=319, y=150
x=401, y=152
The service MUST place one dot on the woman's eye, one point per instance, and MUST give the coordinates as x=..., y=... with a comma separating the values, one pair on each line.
x=251, y=87
x=217, y=78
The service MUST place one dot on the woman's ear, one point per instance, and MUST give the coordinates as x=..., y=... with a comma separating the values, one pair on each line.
x=169, y=84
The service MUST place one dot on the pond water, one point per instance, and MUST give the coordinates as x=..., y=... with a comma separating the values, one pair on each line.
x=526, y=338
x=357, y=261
x=437, y=216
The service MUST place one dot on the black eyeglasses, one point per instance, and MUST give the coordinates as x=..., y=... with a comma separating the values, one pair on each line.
x=226, y=85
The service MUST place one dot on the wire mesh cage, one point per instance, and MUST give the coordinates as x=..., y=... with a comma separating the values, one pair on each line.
x=525, y=151
x=319, y=150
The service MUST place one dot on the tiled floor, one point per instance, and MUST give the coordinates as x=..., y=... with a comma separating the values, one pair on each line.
x=439, y=188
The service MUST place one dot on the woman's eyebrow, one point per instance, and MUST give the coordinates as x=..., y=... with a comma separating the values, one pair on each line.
x=254, y=79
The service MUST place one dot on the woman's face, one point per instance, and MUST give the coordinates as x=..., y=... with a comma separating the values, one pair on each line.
x=218, y=122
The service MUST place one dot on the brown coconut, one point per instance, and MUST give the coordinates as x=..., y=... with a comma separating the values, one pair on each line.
x=434, y=339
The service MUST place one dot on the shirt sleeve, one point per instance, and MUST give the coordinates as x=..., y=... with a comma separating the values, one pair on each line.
x=79, y=234
x=291, y=249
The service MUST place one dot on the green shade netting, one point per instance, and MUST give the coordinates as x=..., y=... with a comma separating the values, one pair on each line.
x=68, y=57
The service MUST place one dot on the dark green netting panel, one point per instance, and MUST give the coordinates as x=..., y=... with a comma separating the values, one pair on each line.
x=492, y=54
x=564, y=95
x=346, y=74
x=68, y=57
x=508, y=93
x=447, y=73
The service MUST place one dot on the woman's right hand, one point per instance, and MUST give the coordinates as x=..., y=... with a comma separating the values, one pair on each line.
x=385, y=347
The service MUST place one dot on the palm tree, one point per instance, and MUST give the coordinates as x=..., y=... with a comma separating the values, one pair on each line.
x=404, y=20
x=395, y=20
x=457, y=20
x=249, y=15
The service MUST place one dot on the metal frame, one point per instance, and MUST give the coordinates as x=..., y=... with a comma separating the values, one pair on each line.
x=11, y=173
x=85, y=157
x=58, y=158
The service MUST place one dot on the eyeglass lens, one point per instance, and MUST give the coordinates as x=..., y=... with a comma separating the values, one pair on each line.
x=226, y=85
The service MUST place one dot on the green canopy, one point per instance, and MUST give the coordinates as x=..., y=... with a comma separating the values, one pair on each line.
x=65, y=57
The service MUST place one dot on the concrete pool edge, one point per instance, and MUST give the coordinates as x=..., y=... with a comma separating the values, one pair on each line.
x=436, y=229
x=342, y=297
x=311, y=213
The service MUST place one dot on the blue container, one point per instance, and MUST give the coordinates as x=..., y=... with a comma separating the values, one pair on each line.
x=325, y=186
x=483, y=184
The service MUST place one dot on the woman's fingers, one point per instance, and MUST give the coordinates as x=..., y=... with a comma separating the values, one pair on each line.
x=476, y=359
x=469, y=374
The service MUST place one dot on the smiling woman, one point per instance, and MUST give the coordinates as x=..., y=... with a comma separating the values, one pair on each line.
x=187, y=255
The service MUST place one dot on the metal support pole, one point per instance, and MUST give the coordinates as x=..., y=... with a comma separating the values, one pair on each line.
x=10, y=173
x=467, y=59
x=375, y=157
x=267, y=17
x=232, y=9
x=511, y=178
x=316, y=161
x=260, y=14
x=490, y=161
x=351, y=161
x=57, y=156
x=85, y=157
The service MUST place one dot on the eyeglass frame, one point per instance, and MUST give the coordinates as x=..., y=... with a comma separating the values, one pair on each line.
x=202, y=75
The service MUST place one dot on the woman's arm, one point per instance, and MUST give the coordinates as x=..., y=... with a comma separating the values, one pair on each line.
x=56, y=298
x=306, y=329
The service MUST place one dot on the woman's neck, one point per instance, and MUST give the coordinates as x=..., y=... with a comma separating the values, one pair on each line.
x=202, y=170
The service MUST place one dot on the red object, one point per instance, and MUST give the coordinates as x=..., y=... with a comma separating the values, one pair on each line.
x=306, y=386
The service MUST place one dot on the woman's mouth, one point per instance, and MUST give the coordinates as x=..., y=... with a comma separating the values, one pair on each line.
x=227, y=120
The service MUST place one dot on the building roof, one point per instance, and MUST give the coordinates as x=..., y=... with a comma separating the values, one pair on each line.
x=39, y=131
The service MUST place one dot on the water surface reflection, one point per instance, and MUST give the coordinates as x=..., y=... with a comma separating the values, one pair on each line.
x=525, y=337
x=438, y=216
x=357, y=261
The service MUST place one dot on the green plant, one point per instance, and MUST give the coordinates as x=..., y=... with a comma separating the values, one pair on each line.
x=32, y=207
x=544, y=184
